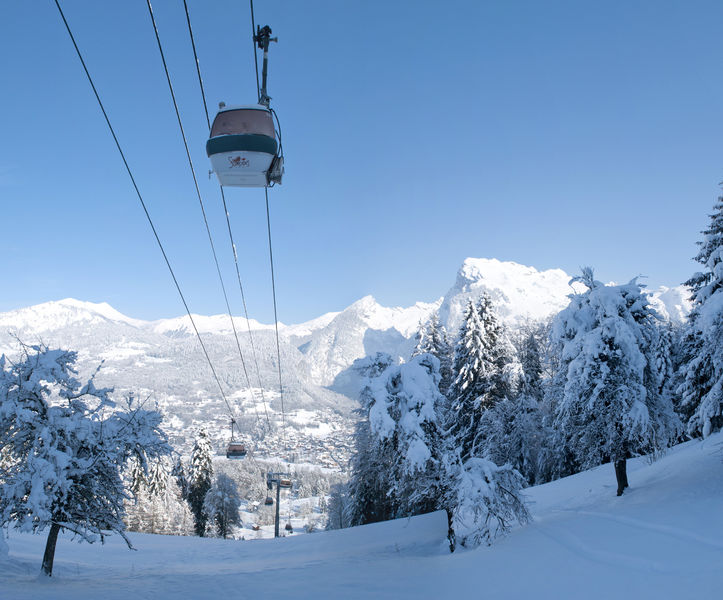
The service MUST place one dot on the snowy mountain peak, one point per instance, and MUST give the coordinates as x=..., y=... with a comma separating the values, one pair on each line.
x=100, y=308
x=505, y=274
x=367, y=303
x=673, y=303
x=53, y=315
x=518, y=291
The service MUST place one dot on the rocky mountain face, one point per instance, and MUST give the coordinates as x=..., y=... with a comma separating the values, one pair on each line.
x=161, y=361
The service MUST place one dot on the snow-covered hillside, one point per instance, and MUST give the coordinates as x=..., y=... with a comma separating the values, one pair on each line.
x=662, y=539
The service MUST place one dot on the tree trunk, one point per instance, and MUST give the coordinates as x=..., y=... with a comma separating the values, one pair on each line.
x=451, y=538
x=49, y=556
x=621, y=474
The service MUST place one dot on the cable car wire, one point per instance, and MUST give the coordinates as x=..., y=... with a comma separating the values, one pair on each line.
x=200, y=199
x=143, y=204
x=228, y=225
x=243, y=301
x=268, y=227
x=276, y=318
x=198, y=67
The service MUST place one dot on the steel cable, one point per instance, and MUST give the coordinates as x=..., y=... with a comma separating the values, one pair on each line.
x=200, y=199
x=228, y=225
x=143, y=204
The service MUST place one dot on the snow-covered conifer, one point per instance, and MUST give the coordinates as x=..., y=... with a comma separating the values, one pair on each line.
x=339, y=507
x=66, y=445
x=665, y=359
x=484, y=500
x=529, y=355
x=414, y=469
x=222, y=504
x=512, y=428
x=137, y=476
x=370, y=479
x=481, y=358
x=199, y=481
x=512, y=434
x=404, y=420
x=179, y=475
x=432, y=339
x=157, y=506
x=701, y=389
x=158, y=478
x=611, y=406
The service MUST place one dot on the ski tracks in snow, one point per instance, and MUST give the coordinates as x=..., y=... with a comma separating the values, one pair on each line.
x=577, y=546
x=594, y=536
x=675, y=532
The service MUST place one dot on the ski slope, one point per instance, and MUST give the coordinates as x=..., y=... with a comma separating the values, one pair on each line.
x=662, y=539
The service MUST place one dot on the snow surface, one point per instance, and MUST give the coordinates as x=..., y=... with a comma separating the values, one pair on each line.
x=662, y=539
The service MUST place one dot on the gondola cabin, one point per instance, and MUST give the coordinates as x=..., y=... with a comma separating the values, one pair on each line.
x=243, y=148
x=289, y=528
x=235, y=450
x=269, y=501
x=284, y=483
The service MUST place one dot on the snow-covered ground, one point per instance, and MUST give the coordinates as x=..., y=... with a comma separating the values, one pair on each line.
x=662, y=539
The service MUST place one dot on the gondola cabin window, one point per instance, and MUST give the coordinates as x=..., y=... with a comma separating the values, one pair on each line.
x=235, y=450
x=243, y=121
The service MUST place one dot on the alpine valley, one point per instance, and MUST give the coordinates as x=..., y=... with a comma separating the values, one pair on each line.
x=161, y=362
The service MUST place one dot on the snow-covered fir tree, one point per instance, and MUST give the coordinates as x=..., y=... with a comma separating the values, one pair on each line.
x=512, y=434
x=136, y=482
x=554, y=456
x=222, y=505
x=137, y=476
x=339, y=507
x=157, y=505
x=484, y=500
x=179, y=475
x=65, y=446
x=701, y=372
x=432, y=339
x=369, y=479
x=407, y=466
x=513, y=426
x=666, y=359
x=404, y=411
x=199, y=481
x=610, y=407
x=530, y=358
x=481, y=360
x=158, y=478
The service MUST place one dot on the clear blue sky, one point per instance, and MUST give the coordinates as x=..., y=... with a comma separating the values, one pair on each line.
x=554, y=134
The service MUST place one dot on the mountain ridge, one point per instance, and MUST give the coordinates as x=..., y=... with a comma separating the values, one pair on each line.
x=162, y=358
